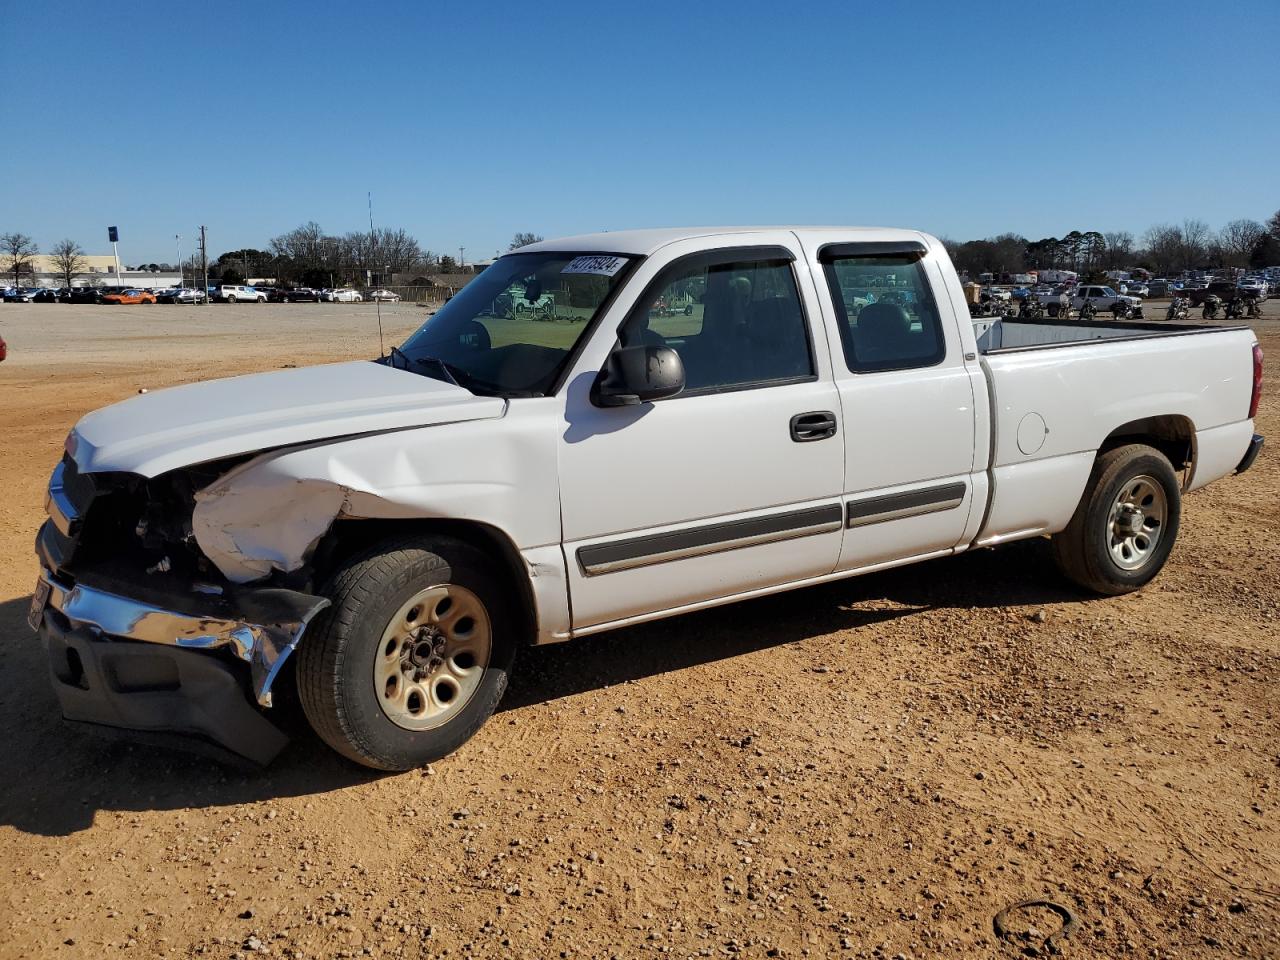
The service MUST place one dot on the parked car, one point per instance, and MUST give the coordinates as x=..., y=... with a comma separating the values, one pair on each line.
x=20, y=294
x=1159, y=288
x=1136, y=288
x=92, y=294
x=177, y=295
x=1225, y=289
x=302, y=295
x=1020, y=293
x=325, y=295
x=4, y=349
x=442, y=507
x=346, y=295
x=385, y=296
x=997, y=293
x=1253, y=288
x=130, y=296
x=235, y=293
x=1102, y=298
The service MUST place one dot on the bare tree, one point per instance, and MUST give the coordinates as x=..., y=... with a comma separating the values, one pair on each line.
x=523, y=240
x=19, y=251
x=68, y=260
x=1119, y=245
x=1194, y=238
x=308, y=249
x=303, y=248
x=1274, y=224
x=1238, y=238
x=1164, y=247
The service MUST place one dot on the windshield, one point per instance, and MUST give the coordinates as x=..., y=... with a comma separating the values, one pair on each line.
x=511, y=330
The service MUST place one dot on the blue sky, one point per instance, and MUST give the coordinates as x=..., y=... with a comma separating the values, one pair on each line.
x=469, y=121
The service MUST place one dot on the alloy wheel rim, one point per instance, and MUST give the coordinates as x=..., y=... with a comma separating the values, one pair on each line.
x=432, y=657
x=1135, y=525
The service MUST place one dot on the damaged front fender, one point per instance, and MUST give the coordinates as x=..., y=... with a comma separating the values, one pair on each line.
x=251, y=522
x=270, y=514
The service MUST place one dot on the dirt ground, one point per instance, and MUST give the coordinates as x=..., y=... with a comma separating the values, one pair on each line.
x=871, y=768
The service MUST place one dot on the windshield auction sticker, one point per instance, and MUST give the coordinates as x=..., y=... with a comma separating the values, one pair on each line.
x=600, y=266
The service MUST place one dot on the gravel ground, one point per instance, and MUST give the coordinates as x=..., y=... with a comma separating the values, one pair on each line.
x=871, y=768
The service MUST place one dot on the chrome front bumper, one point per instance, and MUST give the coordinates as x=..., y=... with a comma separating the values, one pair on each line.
x=261, y=627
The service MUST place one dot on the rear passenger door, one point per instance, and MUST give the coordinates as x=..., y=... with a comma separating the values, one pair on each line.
x=908, y=401
x=725, y=488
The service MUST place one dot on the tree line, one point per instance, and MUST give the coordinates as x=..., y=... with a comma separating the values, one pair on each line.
x=1164, y=249
x=309, y=256
x=305, y=255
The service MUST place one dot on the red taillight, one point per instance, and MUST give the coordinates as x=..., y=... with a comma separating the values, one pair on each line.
x=1257, y=381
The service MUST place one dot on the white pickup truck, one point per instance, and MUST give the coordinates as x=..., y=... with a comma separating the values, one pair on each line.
x=1102, y=298
x=390, y=532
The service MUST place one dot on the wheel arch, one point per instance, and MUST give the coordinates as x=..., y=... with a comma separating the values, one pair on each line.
x=350, y=536
x=1172, y=434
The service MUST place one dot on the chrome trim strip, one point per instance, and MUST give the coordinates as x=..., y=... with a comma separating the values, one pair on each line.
x=264, y=646
x=59, y=506
x=691, y=542
x=912, y=503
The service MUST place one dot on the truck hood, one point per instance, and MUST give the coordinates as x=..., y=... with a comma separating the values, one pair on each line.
x=155, y=432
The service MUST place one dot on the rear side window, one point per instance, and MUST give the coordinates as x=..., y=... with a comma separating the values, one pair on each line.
x=735, y=320
x=887, y=315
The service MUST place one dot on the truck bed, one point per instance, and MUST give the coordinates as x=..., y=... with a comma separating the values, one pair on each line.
x=1052, y=408
x=1002, y=336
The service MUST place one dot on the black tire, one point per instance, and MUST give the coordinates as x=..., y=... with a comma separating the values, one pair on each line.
x=231, y=298
x=1083, y=550
x=336, y=657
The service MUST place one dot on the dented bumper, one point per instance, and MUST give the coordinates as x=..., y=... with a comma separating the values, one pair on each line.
x=197, y=668
x=258, y=626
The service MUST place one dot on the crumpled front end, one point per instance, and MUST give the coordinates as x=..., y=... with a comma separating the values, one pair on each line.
x=143, y=633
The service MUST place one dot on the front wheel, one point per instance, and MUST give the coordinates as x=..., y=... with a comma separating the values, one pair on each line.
x=1125, y=526
x=413, y=655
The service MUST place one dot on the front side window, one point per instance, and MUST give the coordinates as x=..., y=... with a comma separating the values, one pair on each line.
x=887, y=316
x=735, y=323
x=511, y=331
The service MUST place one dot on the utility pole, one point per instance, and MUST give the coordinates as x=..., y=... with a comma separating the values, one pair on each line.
x=114, y=236
x=177, y=237
x=204, y=264
x=462, y=259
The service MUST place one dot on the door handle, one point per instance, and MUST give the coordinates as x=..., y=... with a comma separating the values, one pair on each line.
x=813, y=426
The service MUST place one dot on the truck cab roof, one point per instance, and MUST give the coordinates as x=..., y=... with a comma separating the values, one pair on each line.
x=646, y=242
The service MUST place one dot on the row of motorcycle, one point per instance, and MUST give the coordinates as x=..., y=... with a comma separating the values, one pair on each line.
x=1236, y=308
x=1031, y=308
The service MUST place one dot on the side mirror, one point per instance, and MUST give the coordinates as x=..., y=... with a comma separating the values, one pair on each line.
x=634, y=375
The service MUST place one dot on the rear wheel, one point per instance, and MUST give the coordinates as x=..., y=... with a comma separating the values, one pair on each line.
x=413, y=655
x=231, y=298
x=1125, y=526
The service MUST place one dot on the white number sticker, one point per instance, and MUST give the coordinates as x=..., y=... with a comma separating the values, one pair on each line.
x=602, y=266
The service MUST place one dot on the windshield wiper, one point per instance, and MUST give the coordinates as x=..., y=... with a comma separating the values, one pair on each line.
x=450, y=372
x=453, y=374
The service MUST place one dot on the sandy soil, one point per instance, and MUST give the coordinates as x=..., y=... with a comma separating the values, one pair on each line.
x=869, y=769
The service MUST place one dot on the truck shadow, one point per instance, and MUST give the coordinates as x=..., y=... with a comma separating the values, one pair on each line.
x=1018, y=574
x=59, y=778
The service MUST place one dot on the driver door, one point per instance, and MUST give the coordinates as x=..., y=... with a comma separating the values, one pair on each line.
x=720, y=490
